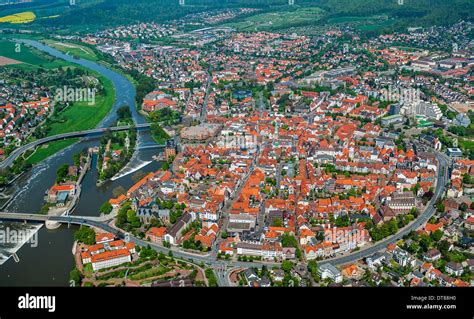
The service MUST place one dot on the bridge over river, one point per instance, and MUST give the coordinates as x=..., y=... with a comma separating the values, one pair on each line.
x=87, y=133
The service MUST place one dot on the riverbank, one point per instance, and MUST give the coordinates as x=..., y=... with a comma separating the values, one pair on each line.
x=54, y=246
x=75, y=117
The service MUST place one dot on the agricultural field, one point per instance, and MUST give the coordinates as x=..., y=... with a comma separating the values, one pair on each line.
x=19, y=18
x=29, y=57
x=278, y=20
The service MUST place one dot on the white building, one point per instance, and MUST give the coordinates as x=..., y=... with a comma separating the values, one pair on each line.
x=331, y=272
x=429, y=110
x=110, y=258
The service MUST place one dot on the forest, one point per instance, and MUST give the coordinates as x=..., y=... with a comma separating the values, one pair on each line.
x=91, y=14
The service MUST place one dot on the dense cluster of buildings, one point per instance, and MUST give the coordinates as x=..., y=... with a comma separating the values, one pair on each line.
x=304, y=148
x=107, y=252
x=22, y=109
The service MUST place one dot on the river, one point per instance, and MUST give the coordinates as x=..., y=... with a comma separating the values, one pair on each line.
x=47, y=259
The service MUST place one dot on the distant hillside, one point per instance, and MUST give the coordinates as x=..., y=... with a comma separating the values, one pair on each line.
x=13, y=2
x=105, y=13
x=417, y=11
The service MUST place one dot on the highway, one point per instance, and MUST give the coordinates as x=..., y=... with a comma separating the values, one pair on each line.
x=19, y=151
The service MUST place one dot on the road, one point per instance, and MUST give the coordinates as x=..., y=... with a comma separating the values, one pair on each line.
x=19, y=151
x=221, y=266
x=421, y=220
x=206, y=100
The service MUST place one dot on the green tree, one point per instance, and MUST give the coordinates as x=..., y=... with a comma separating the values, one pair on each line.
x=85, y=235
x=436, y=235
x=75, y=276
x=440, y=207
x=286, y=265
x=123, y=112
x=62, y=173
x=106, y=208
x=313, y=268
x=425, y=242
x=211, y=278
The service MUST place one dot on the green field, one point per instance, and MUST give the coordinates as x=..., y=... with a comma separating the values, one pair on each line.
x=278, y=20
x=349, y=19
x=45, y=151
x=79, y=116
x=363, y=23
x=375, y=26
x=30, y=57
x=73, y=49
x=82, y=116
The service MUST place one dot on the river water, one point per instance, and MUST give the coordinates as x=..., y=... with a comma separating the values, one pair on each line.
x=47, y=259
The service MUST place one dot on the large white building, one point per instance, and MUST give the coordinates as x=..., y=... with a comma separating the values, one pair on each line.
x=429, y=110
x=331, y=272
x=422, y=108
x=266, y=251
x=110, y=258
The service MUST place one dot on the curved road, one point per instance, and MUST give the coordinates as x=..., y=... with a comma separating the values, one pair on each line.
x=422, y=219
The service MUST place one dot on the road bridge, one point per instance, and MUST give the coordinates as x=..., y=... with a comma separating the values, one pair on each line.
x=86, y=133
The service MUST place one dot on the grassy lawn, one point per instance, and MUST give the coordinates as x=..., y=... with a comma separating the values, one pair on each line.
x=73, y=49
x=82, y=116
x=45, y=151
x=155, y=271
